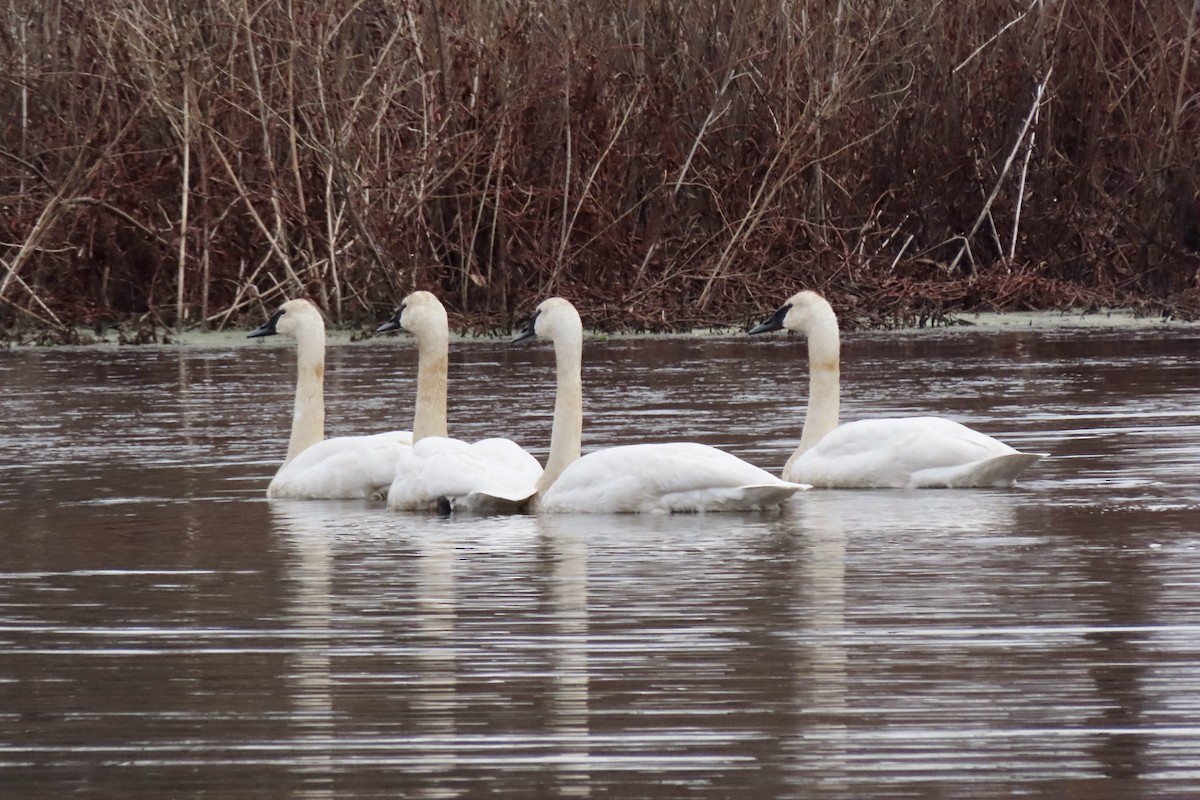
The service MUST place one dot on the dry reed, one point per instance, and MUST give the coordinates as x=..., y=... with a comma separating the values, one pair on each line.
x=665, y=164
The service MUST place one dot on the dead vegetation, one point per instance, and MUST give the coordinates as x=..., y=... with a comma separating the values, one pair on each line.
x=664, y=164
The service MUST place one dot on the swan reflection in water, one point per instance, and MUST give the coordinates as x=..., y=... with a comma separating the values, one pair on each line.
x=821, y=630
x=321, y=539
x=310, y=611
x=569, y=600
x=526, y=588
x=319, y=535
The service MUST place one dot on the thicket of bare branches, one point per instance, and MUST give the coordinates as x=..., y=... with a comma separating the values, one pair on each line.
x=663, y=163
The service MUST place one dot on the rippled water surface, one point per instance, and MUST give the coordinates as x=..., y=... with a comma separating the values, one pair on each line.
x=165, y=631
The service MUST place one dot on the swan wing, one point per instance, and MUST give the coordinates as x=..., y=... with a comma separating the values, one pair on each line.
x=997, y=471
x=907, y=452
x=345, y=467
x=491, y=475
x=681, y=476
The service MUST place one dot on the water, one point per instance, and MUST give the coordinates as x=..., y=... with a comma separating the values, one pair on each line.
x=167, y=632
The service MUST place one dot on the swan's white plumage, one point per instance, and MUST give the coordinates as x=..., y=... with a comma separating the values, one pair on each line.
x=917, y=452
x=345, y=467
x=674, y=476
x=900, y=452
x=683, y=476
x=349, y=467
x=489, y=476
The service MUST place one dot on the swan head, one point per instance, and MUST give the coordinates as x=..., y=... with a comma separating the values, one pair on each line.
x=553, y=319
x=419, y=313
x=803, y=312
x=291, y=319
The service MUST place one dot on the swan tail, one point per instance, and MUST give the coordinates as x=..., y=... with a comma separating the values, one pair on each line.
x=753, y=497
x=772, y=494
x=998, y=471
x=492, y=502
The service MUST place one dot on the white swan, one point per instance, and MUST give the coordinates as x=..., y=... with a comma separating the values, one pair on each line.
x=346, y=467
x=915, y=452
x=682, y=476
x=489, y=476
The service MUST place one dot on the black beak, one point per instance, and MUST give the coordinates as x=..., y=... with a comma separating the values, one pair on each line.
x=267, y=328
x=392, y=324
x=528, y=332
x=774, y=323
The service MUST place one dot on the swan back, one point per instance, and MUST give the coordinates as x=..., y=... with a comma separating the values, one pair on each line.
x=489, y=476
x=345, y=467
x=907, y=452
x=668, y=477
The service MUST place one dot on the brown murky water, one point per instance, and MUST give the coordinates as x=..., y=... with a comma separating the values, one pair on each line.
x=167, y=632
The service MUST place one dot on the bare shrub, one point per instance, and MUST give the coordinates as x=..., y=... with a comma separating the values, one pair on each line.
x=663, y=163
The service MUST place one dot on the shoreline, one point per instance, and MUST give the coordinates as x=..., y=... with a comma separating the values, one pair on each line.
x=963, y=322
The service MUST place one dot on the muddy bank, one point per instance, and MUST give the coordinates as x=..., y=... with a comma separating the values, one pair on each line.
x=147, y=336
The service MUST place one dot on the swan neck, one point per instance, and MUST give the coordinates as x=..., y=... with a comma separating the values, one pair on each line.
x=824, y=379
x=308, y=410
x=433, y=359
x=566, y=433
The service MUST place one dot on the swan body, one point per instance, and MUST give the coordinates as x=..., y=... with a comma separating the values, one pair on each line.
x=490, y=476
x=674, y=476
x=908, y=452
x=345, y=467
x=682, y=476
x=898, y=452
x=440, y=473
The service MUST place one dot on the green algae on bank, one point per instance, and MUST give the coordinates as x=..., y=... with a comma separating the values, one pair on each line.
x=236, y=337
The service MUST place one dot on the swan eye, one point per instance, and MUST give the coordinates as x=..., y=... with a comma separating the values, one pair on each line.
x=392, y=324
x=772, y=323
x=268, y=327
x=780, y=315
x=530, y=329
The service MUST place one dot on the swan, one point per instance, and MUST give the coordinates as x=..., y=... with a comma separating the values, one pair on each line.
x=681, y=476
x=345, y=467
x=489, y=476
x=909, y=452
